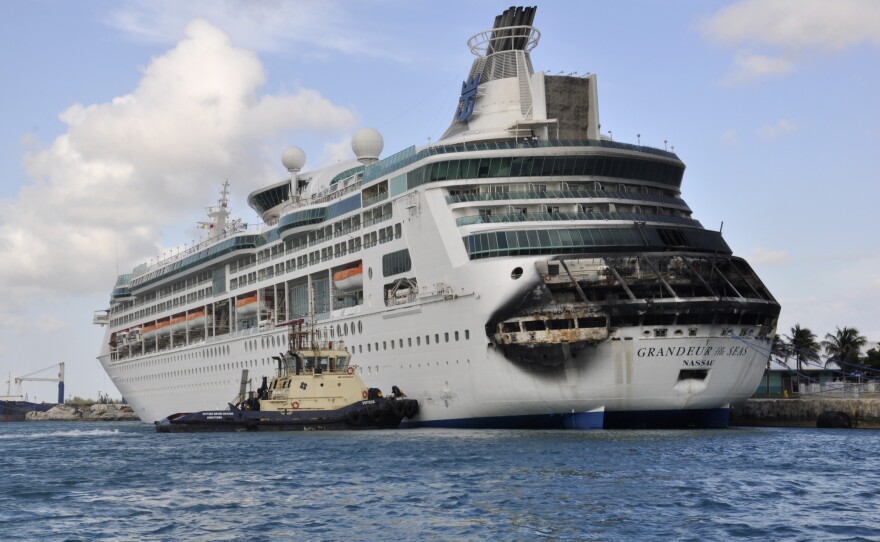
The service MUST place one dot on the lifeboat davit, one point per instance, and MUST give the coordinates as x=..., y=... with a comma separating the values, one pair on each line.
x=246, y=305
x=349, y=279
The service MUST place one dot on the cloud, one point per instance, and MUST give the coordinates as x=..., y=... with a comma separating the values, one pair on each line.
x=729, y=139
x=310, y=27
x=792, y=29
x=125, y=170
x=777, y=130
x=748, y=67
x=766, y=257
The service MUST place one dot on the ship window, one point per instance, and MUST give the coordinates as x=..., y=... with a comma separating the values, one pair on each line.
x=467, y=334
x=384, y=346
x=437, y=338
x=530, y=325
x=456, y=335
x=392, y=344
x=427, y=339
x=368, y=347
x=446, y=336
x=345, y=329
x=418, y=341
x=409, y=341
x=360, y=327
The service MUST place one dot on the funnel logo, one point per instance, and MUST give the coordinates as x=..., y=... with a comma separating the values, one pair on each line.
x=468, y=98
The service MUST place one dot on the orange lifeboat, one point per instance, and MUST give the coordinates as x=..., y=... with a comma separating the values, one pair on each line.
x=349, y=279
x=246, y=305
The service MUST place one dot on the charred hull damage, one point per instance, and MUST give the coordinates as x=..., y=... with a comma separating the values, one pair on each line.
x=581, y=302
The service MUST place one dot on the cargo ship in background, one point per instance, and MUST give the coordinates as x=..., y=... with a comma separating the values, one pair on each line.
x=521, y=271
x=14, y=408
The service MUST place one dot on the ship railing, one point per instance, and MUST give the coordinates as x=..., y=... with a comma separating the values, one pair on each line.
x=562, y=216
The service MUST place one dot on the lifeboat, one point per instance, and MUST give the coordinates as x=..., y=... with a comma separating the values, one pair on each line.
x=159, y=328
x=134, y=334
x=196, y=319
x=177, y=323
x=246, y=305
x=349, y=279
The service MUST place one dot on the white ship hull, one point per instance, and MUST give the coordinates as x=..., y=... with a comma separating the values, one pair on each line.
x=469, y=382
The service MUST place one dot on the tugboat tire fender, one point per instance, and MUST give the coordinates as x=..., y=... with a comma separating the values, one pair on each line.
x=399, y=409
x=412, y=408
x=376, y=414
x=354, y=417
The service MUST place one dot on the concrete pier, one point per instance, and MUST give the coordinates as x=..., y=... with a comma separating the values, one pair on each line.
x=864, y=413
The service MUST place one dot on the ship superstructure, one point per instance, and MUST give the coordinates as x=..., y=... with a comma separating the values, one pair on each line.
x=521, y=271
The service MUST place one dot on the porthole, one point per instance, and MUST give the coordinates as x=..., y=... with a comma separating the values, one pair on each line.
x=370, y=272
x=516, y=273
x=360, y=327
x=345, y=328
x=339, y=330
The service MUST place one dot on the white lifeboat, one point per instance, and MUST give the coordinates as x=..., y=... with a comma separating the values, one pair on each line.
x=350, y=279
x=177, y=323
x=159, y=328
x=196, y=319
x=246, y=305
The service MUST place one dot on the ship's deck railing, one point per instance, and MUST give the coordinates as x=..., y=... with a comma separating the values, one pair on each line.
x=564, y=194
x=555, y=217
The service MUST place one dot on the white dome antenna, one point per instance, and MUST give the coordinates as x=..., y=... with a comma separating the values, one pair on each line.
x=367, y=145
x=294, y=158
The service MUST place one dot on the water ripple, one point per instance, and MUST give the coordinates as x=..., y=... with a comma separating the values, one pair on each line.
x=123, y=482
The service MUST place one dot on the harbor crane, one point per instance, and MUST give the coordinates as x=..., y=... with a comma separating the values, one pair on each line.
x=30, y=378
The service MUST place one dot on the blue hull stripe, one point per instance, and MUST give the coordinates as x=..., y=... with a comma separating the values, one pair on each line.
x=637, y=419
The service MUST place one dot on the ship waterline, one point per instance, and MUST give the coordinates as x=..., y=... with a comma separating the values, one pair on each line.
x=522, y=271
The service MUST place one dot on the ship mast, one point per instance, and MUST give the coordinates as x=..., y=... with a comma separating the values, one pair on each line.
x=218, y=214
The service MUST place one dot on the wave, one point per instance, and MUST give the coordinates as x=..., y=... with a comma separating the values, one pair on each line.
x=76, y=433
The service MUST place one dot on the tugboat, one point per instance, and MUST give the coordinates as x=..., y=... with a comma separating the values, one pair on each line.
x=315, y=388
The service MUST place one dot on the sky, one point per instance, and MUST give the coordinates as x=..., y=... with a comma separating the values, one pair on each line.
x=119, y=121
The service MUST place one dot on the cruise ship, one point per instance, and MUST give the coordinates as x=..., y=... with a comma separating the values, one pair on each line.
x=523, y=270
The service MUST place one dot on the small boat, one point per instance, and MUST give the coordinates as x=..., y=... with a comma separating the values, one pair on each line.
x=349, y=279
x=315, y=388
x=246, y=305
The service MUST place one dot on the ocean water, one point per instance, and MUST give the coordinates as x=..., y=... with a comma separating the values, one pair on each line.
x=123, y=481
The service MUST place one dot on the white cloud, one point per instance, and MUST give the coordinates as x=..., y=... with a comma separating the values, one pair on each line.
x=766, y=257
x=125, y=170
x=749, y=66
x=777, y=130
x=730, y=139
x=310, y=27
x=792, y=29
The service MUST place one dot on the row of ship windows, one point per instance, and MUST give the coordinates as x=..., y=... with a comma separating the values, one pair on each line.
x=390, y=344
x=338, y=250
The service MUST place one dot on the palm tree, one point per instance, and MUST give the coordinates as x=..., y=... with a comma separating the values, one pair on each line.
x=803, y=345
x=845, y=345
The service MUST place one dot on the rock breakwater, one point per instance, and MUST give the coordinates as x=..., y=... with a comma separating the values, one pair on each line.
x=864, y=413
x=87, y=413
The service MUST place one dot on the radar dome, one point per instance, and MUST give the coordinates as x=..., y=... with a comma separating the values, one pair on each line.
x=294, y=158
x=367, y=145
